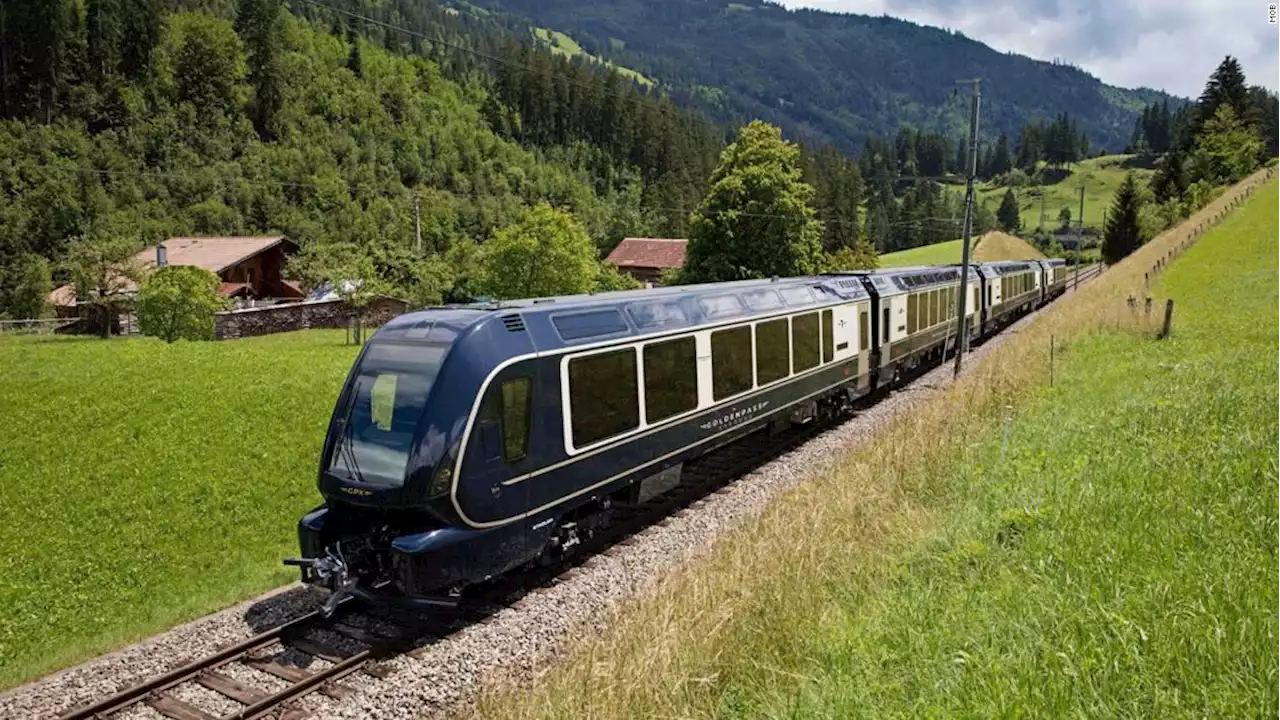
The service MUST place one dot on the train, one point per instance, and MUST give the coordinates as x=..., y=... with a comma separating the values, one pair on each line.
x=470, y=440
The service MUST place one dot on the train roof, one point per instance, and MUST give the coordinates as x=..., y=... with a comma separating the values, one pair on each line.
x=567, y=321
x=574, y=320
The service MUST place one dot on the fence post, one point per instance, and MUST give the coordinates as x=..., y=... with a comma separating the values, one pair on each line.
x=1147, y=308
x=1168, y=320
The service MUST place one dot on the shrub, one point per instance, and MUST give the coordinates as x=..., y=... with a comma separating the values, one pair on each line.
x=178, y=301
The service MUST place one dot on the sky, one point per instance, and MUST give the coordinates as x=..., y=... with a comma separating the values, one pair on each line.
x=1170, y=45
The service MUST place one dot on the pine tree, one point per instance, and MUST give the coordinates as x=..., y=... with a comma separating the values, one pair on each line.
x=1170, y=181
x=756, y=220
x=1226, y=86
x=878, y=224
x=1030, y=149
x=1009, y=215
x=1001, y=162
x=1123, y=233
x=354, y=62
x=259, y=24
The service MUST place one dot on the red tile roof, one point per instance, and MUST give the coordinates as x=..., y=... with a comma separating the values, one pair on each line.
x=649, y=253
x=211, y=253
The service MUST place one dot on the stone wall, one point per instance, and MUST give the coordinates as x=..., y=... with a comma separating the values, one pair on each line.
x=287, y=317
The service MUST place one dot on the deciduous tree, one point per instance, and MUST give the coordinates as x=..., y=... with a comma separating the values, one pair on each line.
x=546, y=253
x=103, y=274
x=1226, y=150
x=177, y=302
x=756, y=220
x=30, y=283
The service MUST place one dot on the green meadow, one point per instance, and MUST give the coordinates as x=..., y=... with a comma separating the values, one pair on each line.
x=1113, y=554
x=145, y=484
x=1100, y=177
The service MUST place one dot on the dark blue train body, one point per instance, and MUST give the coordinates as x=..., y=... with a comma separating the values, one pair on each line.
x=470, y=440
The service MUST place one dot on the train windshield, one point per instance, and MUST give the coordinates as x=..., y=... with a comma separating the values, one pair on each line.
x=376, y=433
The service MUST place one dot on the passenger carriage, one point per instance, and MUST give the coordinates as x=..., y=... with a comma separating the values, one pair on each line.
x=1010, y=290
x=1055, y=278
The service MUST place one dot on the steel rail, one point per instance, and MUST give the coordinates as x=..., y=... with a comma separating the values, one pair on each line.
x=138, y=693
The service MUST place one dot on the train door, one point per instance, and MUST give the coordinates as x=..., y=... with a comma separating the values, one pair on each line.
x=506, y=428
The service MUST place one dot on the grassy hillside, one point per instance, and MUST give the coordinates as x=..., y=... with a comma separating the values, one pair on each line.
x=562, y=44
x=829, y=77
x=1100, y=176
x=1003, y=246
x=990, y=247
x=145, y=484
x=1105, y=546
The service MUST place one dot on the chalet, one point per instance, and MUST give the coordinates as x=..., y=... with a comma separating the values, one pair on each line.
x=645, y=259
x=249, y=268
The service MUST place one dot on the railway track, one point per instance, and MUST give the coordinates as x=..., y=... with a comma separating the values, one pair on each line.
x=288, y=651
x=285, y=652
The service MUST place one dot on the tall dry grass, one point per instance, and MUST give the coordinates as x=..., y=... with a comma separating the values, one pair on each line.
x=781, y=576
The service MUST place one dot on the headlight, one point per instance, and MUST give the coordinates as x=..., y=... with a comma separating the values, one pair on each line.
x=440, y=482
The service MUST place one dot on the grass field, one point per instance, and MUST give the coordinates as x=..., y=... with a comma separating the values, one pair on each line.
x=143, y=484
x=1101, y=177
x=1113, y=555
x=992, y=246
x=562, y=44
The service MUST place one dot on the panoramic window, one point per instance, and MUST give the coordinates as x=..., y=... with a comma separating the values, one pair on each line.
x=589, y=324
x=773, y=351
x=913, y=310
x=828, y=337
x=730, y=361
x=804, y=341
x=603, y=398
x=670, y=378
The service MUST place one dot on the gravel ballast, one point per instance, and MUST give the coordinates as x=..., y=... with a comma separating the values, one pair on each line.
x=512, y=643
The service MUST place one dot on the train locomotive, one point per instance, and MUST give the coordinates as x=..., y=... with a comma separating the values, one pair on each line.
x=470, y=440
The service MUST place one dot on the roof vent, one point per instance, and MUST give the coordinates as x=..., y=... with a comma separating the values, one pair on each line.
x=514, y=323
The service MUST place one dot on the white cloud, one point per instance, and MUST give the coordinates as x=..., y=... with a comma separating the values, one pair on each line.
x=1153, y=43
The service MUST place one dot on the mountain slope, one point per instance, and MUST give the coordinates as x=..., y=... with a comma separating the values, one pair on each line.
x=828, y=77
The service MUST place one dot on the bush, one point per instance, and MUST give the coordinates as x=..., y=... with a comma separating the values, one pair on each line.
x=30, y=282
x=178, y=301
x=608, y=278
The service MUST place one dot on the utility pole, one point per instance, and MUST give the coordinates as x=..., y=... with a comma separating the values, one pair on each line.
x=1080, y=220
x=417, y=223
x=962, y=335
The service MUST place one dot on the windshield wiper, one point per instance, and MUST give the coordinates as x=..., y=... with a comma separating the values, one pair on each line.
x=346, y=445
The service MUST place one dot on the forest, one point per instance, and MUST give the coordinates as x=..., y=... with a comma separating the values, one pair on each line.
x=123, y=122
x=829, y=77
